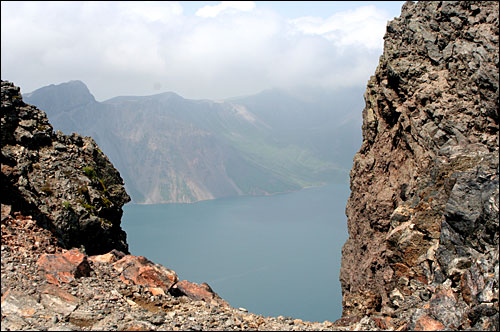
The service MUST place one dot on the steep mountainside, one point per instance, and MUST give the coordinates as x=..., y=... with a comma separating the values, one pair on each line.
x=65, y=182
x=423, y=212
x=171, y=149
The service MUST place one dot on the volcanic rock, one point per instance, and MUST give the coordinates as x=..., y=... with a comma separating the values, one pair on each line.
x=423, y=214
x=141, y=271
x=197, y=292
x=64, y=267
x=423, y=211
x=65, y=182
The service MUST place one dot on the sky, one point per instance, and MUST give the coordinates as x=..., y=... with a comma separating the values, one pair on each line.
x=198, y=49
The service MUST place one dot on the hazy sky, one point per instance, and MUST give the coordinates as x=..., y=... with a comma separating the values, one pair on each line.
x=198, y=49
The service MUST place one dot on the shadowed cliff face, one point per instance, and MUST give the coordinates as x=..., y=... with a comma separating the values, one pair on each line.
x=423, y=212
x=65, y=182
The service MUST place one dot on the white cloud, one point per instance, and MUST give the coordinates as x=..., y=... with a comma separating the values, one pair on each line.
x=122, y=48
x=151, y=11
x=232, y=6
x=358, y=26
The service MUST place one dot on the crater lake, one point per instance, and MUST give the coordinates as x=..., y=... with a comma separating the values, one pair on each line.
x=273, y=255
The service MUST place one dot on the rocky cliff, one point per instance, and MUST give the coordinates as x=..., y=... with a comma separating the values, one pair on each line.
x=65, y=182
x=423, y=214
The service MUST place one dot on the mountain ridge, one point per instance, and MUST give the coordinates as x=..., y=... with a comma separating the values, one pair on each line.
x=75, y=93
x=238, y=146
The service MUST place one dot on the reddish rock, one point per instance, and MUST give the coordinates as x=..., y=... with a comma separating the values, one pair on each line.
x=198, y=292
x=141, y=271
x=380, y=323
x=426, y=323
x=64, y=267
x=402, y=270
x=346, y=321
x=384, y=323
x=470, y=287
x=402, y=327
x=445, y=306
x=108, y=258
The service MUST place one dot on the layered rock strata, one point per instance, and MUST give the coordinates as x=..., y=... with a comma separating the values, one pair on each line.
x=65, y=182
x=424, y=208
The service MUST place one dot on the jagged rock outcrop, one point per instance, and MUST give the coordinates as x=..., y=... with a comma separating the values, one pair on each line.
x=423, y=212
x=65, y=182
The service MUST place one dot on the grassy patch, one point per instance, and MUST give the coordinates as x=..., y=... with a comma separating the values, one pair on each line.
x=67, y=205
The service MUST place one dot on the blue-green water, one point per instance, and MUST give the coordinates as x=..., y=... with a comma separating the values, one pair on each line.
x=273, y=255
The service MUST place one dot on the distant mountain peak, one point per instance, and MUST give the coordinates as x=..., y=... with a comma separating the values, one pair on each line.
x=75, y=83
x=67, y=95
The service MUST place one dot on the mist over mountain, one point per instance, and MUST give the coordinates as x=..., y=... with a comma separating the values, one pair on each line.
x=171, y=149
x=322, y=121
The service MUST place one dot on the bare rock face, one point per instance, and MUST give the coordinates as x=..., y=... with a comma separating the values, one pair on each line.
x=424, y=208
x=65, y=182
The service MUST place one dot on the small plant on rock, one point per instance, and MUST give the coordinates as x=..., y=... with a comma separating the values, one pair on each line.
x=89, y=172
x=89, y=207
x=103, y=185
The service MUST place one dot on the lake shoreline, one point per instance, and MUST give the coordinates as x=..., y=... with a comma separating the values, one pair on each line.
x=228, y=197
